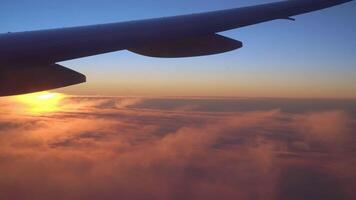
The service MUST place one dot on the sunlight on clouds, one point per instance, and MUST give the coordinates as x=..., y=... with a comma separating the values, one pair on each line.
x=188, y=148
x=41, y=103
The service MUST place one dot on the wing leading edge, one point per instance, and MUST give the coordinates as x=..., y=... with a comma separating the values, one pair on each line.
x=162, y=37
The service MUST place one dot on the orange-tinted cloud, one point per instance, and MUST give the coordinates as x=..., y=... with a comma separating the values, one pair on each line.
x=128, y=148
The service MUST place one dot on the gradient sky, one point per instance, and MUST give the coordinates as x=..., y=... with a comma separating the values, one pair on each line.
x=58, y=146
x=312, y=57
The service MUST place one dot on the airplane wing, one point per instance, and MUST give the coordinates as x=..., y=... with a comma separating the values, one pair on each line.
x=23, y=55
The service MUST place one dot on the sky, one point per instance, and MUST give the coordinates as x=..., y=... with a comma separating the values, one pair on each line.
x=313, y=57
x=54, y=146
x=274, y=120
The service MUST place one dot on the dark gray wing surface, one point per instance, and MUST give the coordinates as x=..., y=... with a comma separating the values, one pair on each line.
x=188, y=47
x=50, y=46
x=179, y=36
x=27, y=79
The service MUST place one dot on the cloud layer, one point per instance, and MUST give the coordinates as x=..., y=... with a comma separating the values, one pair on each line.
x=137, y=148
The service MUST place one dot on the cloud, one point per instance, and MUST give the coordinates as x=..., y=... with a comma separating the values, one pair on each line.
x=136, y=148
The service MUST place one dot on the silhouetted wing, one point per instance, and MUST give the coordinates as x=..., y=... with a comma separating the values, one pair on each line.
x=26, y=79
x=188, y=47
x=50, y=46
x=180, y=36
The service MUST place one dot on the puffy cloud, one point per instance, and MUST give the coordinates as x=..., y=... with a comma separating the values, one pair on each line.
x=136, y=148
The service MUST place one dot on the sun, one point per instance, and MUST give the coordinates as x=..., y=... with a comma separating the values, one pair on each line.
x=41, y=103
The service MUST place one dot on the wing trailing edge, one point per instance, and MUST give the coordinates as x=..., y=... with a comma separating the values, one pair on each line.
x=21, y=80
x=189, y=47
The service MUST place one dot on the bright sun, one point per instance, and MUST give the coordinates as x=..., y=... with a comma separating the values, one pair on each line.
x=42, y=102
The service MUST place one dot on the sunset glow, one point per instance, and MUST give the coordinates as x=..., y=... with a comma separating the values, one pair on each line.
x=41, y=103
x=156, y=100
x=243, y=148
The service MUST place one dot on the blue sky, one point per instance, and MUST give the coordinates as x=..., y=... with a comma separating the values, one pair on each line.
x=312, y=57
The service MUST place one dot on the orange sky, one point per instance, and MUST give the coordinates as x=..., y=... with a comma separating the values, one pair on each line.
x=241, y=87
